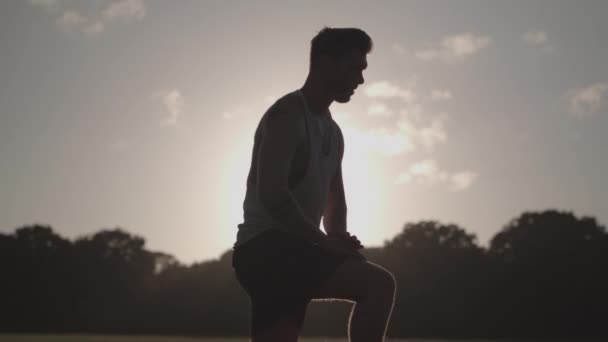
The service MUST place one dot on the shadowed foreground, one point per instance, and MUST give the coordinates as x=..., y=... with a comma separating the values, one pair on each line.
x=103, y=338
x=542, y=276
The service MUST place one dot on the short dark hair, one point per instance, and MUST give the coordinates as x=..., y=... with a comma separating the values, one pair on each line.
x=337, y=41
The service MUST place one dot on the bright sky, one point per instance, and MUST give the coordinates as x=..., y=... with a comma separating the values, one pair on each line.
x=140, y=114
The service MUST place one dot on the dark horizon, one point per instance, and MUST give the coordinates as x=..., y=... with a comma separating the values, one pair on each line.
x=542, y=277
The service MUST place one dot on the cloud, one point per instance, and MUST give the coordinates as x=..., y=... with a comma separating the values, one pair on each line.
x=454, y=48
x=95, y=28
x=420, y=134
x=240, y=111
x=379, y=109
x=433, y=134
x=384, y=89
x=92, y=24
x=51, y=6
x=398, y=49
x=125, y=9
x=418, y=129
x=587, y=101
x=382, y=141
x=535, y=37
x=412, y=112
x=174, y=103
x=428, y=172
x=441, y=95
x=462, y=180
x=71, y=20
x=386, y=143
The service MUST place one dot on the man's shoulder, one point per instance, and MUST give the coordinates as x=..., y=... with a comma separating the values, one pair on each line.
x=290, y=102
x=287, y=107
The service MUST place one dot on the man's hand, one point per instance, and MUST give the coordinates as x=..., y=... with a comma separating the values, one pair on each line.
x=350, y=240
x=344, y=244
x=341, y=247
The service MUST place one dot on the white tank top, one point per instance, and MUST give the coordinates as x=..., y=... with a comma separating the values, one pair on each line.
x=312, y=189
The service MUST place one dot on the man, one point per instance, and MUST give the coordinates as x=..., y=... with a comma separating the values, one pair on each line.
x=281, y=258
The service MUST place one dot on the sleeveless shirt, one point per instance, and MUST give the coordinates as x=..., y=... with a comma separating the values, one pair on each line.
x=311, y=190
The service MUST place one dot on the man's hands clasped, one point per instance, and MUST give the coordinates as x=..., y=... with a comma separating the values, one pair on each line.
x=343, y=244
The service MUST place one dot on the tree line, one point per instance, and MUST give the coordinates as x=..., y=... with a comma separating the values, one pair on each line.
x=544, y=274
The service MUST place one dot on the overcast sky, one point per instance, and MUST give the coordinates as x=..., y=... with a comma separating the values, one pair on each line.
x=140, y=114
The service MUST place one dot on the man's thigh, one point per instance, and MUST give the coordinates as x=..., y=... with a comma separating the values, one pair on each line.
x=356, y=279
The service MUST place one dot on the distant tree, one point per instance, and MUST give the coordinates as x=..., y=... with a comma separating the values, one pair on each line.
x=114, y=269
x=552, y=268
x=542, y=276
x=34, y=268
x=441, y=279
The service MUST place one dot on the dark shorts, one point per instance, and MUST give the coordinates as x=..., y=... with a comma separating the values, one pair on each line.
x=281, y=274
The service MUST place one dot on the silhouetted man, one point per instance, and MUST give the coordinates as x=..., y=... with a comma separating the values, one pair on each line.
x=281, y=257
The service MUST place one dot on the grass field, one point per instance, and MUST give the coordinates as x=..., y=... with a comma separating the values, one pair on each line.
x=108, y=338
x=104, y=338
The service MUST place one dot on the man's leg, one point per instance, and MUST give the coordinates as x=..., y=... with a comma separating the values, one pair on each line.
x=373, y=290
x=274, y=321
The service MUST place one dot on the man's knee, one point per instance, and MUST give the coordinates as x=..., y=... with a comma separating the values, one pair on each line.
x=385, y=285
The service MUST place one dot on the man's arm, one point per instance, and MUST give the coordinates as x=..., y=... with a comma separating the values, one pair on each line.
x=334, y=214
x=284, y=132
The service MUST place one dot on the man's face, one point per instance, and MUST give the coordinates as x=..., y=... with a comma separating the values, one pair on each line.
x=346, y=74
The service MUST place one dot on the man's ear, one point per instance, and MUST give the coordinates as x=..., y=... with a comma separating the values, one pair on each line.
x=326, y=61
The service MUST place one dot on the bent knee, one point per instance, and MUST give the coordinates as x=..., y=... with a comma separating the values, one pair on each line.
x=383, y=284
x=387, y=282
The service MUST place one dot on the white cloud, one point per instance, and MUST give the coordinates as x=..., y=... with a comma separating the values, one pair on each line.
x=462, y=180
x=412, y=112
x=433, y=134
x=377, y=141
x=174, y=103
x=240, y=111
x=384, y=89
x=420, y=134
x=454, y=48
x=441, y=95
x=379, y=109
x=125, y=9
x=71, y=20
x=51, y=6
x=428, y=172
x=535, y=37
x=398, y=49
x=539, y=39
x=387, y=143
x=94, y=28
x=587, y=100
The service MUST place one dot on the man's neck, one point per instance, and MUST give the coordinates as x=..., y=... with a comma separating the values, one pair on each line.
x=316, y=96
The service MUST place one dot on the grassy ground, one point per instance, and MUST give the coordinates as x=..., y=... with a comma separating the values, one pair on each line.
x=108, y=338
x=105, y=338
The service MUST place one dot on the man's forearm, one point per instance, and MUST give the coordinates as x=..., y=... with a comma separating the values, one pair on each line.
x=289, y=213
x=334, y=218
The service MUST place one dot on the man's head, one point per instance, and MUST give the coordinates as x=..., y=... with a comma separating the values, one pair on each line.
x=338, y=56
